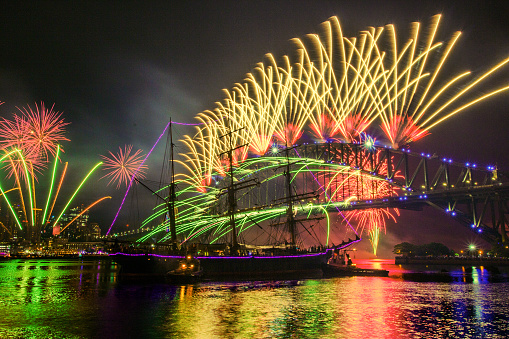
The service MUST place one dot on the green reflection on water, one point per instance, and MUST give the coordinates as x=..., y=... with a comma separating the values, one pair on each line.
x=85, y=300
x=40, y=299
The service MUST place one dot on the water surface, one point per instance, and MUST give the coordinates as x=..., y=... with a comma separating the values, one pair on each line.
x=73, y=299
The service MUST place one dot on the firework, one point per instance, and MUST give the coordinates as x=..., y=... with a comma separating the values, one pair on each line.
x=124, y=166
x=45, y=130
x=338, y=88
x=134, y=176
x=36, y=133
x=30, y=195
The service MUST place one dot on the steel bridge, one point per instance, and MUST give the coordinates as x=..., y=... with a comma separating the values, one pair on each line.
x=331, y=174
x=338, y=177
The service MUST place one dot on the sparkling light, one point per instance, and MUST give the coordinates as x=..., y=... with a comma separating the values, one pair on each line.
x=123, y=166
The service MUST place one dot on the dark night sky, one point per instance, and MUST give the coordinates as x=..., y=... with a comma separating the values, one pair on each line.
x=120, y=69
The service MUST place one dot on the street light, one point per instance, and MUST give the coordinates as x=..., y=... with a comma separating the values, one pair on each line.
x=471, y=247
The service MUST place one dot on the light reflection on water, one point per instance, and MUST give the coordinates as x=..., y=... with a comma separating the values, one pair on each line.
x=73, y=299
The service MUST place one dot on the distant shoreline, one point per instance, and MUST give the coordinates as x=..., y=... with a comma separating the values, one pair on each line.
x=451, y=261
x=56, y=257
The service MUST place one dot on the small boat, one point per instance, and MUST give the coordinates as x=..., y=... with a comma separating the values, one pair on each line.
x=332, y=270
x=340, y=265
x=189, y=270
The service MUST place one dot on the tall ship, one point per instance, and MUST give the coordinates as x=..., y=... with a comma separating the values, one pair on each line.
x=207, y=235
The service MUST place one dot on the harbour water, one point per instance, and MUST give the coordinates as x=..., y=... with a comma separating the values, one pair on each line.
x=86, y=299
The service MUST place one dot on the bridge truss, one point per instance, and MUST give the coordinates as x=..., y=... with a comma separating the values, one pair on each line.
x=337, y=178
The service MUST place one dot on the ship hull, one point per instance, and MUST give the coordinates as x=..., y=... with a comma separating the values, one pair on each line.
x=228, y=268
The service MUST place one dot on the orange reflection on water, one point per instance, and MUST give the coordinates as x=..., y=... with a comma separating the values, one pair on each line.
x=368, y=308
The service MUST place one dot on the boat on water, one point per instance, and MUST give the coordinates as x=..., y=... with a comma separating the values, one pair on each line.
x=262, y=263
x=188, y=271
x=249, y=267
x=340, y=265
x=230, y=260
x=225, y=267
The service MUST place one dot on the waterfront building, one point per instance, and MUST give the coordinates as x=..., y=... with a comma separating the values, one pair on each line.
x=78, y=229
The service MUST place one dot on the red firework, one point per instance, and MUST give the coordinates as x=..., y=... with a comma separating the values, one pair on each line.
x=260, y=144
x=44, y=130
x=13, y=133
x=290, y=134
x=35, y=133
x=324, y=128
x=353, y=184
x=239, y=155
x=402, y=130
x=352, y=127
x=123, y=166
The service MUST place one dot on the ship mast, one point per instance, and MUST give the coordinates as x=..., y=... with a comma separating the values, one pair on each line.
x=232, y=204
x=290, y=220
x=232, y=188
x=172, y=197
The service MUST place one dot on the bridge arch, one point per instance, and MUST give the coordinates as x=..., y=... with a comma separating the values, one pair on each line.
x=473, y=195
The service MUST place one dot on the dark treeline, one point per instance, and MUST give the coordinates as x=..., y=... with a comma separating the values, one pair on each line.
x=431, y=249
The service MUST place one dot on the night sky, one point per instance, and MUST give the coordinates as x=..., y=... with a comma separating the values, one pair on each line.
x=118, y=70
